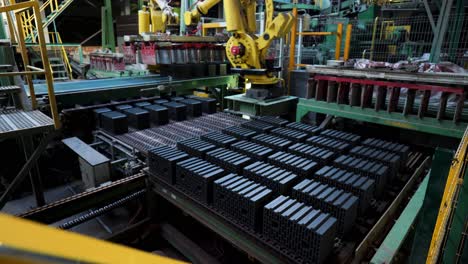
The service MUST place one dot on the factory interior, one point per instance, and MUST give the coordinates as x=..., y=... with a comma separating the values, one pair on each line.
x=236, y=131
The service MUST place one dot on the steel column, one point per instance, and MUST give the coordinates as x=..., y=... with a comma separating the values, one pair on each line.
x=108, y=37
x=34, y=174
x=429, y=15
x=441, y=29
x=292, y=45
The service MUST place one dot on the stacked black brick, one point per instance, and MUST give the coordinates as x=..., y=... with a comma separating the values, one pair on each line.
x=242, y=199
x=258, y=126
x=368, y=168
x=219, y=139
x=142, y=114
x=280, y=158
x=329, y=143
x=390, y=159
x=195, y=147
x=196, y=177
x=400, y=149
x=277, y=179
x=307, y=232
x=291, y=134
x=230, y=160
x=345, y=136
x=240, y=132
x=299, y=165
x=162, y=162
x=252, y=150
x=341, y=204
x=273, y=120
x=273, y=142
x=320, y=155
x=362, y=187
x=309, y=129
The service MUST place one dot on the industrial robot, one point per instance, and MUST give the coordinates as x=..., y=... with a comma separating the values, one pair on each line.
x=245, y=50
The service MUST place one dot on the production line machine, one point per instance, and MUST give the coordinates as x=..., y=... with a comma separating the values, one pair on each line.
x=277, y=190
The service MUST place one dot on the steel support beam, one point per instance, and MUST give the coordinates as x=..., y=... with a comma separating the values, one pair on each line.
x=429, y=15
x=457, y=31
x=26, y=169
x=34, y=174
x=441, y=30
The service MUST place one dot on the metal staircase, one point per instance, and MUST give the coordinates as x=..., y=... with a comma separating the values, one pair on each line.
x=51, y=8
x=27, y=124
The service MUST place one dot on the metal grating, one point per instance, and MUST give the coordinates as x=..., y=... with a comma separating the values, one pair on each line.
x=170, y=134
x=19, y=122
x=10, y=89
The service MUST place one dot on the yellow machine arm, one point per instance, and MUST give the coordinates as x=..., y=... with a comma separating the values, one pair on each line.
x=161, y=14
x=244, y=49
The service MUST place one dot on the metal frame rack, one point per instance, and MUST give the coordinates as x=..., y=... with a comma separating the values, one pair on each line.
x=349, y=93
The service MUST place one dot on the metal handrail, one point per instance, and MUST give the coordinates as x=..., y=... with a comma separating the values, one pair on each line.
x=453, y=184
x=18, y=9
x=29, y=28
x=56, y=39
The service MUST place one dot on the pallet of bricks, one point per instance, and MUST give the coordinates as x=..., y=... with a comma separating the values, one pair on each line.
x=294, y=185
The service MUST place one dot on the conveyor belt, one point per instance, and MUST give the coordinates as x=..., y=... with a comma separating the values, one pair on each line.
x=101, y=84
x=15, y=122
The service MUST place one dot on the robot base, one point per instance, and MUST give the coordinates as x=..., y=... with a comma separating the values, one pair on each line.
x=263, y=92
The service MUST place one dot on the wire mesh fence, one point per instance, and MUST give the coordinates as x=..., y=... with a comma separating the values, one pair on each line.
x=383, y=39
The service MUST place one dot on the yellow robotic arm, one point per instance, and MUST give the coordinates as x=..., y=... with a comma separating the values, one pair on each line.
x=246, y=51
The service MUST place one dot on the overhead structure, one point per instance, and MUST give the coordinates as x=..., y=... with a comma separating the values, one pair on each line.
x=246, y=52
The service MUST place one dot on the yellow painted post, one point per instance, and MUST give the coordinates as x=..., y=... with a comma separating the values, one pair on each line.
x=24, y=56
x=339, y=35
x=292, y=46
x=47, y=68
x=349, y=29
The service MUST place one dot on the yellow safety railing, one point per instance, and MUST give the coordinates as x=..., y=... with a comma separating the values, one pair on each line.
x=56, y=39
x=29, y=27
x=454, y=181
x=24, y=241
x=339, y=36
x=14, y=11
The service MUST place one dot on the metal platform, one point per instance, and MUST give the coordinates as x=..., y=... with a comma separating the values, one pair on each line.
x=13, y=123
x=9, y=89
